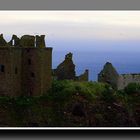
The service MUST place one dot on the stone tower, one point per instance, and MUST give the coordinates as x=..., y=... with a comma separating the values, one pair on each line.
x=25, y=66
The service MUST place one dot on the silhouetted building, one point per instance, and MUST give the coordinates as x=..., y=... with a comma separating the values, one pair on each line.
x=25, y=66
x=110, y=75
x=66, y=70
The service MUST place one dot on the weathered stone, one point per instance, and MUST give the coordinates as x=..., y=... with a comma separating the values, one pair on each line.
x=109, y=75
x=66, y=70
x=84, y=76
x=25, y=70
x=2, y=41
x=15, y=41
x=27, y=41
x=40, y=41
x=125, y=79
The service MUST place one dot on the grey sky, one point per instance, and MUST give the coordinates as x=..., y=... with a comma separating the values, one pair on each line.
x=94, y=37
x=73, y=25
x=102, y=24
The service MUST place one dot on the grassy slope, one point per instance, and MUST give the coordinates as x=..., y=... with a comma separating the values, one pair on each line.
x=71, y=103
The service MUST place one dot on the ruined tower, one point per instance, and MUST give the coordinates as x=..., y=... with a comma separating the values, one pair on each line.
x=66, y=70
x=25, y=66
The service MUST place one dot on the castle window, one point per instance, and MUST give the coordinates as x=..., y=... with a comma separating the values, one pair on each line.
x=32, y=74
x=29, y=61
x=16, y=71
x=2, y=68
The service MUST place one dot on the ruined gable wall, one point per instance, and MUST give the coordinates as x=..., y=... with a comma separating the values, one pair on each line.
x=66, y=69
x=125, y=79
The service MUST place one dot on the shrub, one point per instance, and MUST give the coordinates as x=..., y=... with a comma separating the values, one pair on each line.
x=63, y=90
x=132, y=88
x=108, y=94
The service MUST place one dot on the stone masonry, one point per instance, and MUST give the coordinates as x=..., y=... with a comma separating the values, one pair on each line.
x=110, y=75
x=25, y=66
x=66, y=70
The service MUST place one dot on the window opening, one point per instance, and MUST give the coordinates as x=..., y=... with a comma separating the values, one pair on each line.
x=29, y=61
x=16, y=71
x=13, y=42
x=2, y=68
x=32, y=74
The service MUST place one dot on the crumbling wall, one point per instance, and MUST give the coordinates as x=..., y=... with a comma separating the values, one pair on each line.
x=40, y=41
x=15, y=41
x=125, y=79
x=66, y=69
x=25, y=69
x=84, y=76
x=109, y=75
x=27, y=41
x=2, y=41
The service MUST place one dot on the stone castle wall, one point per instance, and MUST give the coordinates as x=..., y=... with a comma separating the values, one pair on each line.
x=25, y=70
x=10, y=71
x=36, y=70
x=110, y=75
x=84, y=76
x=66, y=70
x=125, y=79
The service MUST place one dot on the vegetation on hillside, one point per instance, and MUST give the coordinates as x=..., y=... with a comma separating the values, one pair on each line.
x=71, y=103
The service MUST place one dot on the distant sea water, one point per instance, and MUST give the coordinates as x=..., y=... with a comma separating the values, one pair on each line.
x=124, y=62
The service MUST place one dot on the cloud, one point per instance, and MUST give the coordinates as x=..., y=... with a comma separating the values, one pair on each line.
x=73, y=25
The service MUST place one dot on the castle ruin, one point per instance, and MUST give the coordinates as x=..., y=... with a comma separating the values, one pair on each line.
x=25, y=66
x=110, y=75
x=66, y=70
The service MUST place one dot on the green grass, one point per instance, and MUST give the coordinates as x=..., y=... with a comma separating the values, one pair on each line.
x=63, y=90
x=48, y=109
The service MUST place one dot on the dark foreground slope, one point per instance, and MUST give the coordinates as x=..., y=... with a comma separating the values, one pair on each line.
x=72, y=103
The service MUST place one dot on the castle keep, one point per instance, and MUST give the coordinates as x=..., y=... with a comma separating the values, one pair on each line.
x=25, y=66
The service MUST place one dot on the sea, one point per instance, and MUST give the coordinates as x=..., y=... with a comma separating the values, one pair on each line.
x=126, y=58
x=92, y=54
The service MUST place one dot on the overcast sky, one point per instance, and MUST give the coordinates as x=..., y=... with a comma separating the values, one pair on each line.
x=84, y=26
